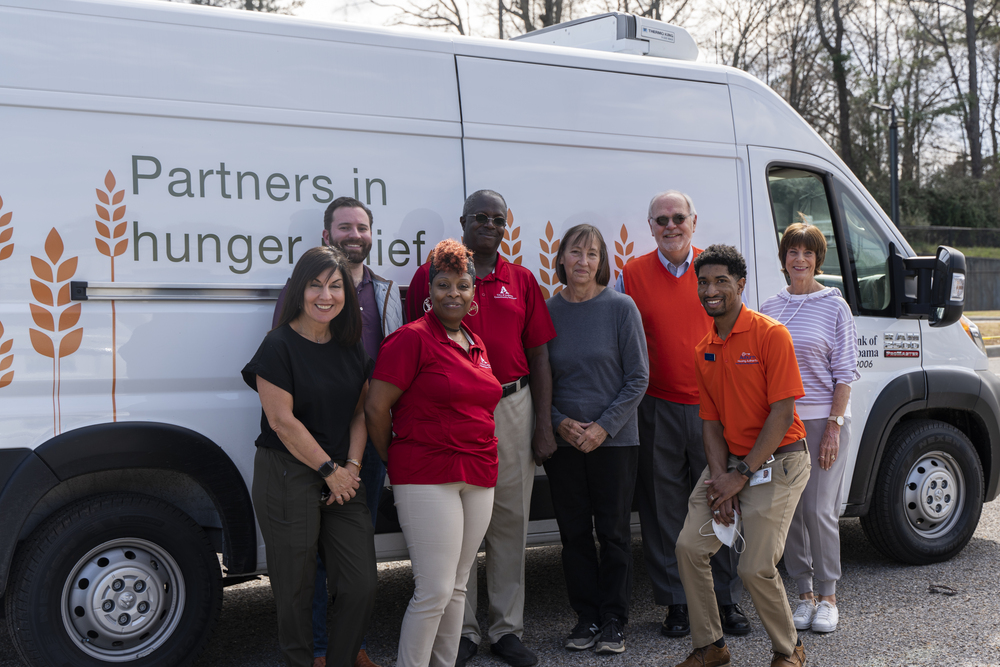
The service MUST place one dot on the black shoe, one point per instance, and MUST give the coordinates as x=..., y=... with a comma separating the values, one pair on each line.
x=676, y=624
x=612, y=637
x=467, y=649
x=734, y=621
x=584, y=636
x=510, y=649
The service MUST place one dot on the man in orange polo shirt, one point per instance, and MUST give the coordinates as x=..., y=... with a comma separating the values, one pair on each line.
x=671, y=454
x=758, y=465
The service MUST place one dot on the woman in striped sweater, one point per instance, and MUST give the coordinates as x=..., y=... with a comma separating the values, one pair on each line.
x=824, y=334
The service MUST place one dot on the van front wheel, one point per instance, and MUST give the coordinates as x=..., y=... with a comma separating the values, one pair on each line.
x=114, y=579
x=928, y=496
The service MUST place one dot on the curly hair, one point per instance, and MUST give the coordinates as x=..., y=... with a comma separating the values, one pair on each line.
x=724, y=255
x=451, y=255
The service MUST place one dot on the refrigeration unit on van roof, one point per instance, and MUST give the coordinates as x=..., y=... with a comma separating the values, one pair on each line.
x=619, y=33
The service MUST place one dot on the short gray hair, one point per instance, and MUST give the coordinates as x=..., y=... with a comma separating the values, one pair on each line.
x=686, y=197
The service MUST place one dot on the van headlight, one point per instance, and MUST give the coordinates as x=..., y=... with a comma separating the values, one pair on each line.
x=973, y=331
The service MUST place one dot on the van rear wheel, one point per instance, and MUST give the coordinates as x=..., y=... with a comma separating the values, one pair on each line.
x=114, y=579
x=928, y=496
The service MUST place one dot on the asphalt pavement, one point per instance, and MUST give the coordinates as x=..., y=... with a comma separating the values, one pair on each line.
x=890, y=614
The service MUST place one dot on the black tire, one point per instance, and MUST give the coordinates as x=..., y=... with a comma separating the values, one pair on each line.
x=928, y=496
x=113, y=579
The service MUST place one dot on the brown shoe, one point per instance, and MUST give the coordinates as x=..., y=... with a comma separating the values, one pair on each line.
x=796, y=659
x=708, y=656
x=362, y=660
x=320, y=661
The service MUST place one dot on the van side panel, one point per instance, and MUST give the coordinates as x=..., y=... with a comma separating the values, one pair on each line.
x=567, y=146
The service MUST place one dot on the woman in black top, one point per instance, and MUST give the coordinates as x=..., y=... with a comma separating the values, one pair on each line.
x=311, y=375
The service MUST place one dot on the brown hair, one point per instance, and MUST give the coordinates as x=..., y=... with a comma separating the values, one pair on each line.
x=345, y=328
x=450, y=255
x=584, y=234
x=806, y=235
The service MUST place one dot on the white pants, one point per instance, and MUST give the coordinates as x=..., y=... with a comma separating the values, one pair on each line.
x=443, y=525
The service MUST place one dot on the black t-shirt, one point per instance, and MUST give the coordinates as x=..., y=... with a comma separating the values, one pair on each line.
x=324, y=379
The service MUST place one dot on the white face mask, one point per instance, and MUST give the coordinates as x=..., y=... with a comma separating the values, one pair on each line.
x=726, y=534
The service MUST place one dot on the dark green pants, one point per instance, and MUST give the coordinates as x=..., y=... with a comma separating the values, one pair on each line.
x=295, y=524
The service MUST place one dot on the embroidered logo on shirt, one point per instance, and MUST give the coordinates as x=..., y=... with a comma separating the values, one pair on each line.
x=747, y=358
x=485, y=364
x=504, y=294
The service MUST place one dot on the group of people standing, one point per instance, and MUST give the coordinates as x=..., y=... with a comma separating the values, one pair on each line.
x=664, y=387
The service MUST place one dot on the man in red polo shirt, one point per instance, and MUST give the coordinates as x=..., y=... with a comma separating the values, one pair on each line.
x=758, y=464
x=510, y=316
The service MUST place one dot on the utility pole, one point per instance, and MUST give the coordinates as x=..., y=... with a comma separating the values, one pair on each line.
x=893, y=160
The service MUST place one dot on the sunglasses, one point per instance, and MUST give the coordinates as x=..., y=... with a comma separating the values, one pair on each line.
x=499, y=221
x=664, y=220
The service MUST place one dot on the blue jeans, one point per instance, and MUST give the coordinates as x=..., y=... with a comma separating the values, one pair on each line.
x=372, y=477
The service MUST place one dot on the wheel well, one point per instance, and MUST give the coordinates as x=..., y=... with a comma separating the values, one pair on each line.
x=170, y=486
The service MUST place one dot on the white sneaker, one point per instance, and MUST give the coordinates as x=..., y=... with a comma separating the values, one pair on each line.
x=826, y=617
x=805, y=612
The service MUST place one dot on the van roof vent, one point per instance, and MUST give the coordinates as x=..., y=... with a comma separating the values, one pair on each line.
x=619, y=33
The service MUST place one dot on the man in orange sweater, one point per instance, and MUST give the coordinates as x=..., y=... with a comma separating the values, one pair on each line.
x=671, y=453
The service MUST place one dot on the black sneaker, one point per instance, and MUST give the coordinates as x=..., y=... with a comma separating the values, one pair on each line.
x=612, y=637
x=584, y=636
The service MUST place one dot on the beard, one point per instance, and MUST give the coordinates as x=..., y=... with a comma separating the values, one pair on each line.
x=355, y=256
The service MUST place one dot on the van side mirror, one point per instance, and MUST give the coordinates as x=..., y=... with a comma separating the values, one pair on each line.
x=931, y=288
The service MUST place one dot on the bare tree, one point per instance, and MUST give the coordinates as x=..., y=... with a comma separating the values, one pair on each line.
x=437, y=14
x=839, y=59
x=269, y=6
x=951, y=28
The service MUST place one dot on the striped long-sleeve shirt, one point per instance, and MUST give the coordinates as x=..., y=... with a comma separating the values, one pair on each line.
x=825, y=338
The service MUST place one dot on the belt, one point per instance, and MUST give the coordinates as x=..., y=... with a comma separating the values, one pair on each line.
x=797, y=446
x=514, y=386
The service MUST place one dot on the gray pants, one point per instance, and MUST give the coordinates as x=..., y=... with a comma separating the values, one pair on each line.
x=295, y=524
x=508, y=531
x=812, y=550
x=671, y=459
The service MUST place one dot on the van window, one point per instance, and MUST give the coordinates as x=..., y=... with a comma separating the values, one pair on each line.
x=800, y=196
x=868, y=250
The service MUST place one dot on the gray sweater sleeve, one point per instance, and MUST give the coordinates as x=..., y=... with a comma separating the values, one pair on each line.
x=635, y=364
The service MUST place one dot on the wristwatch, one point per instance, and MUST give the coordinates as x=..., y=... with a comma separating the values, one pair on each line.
x=328, y=469
x=743, y=469
x=838, y=418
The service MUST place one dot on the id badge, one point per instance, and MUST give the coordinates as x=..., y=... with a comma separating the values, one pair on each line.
x=762, y=476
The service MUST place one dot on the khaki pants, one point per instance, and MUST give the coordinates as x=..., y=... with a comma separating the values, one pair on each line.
x=767, y=511
x=443, y=525
x=508, y=531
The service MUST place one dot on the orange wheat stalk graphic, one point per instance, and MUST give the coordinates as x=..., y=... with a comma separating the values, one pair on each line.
x=548, y=260
x=510, y=246
x=623, y=252
x=52, y=307
x=6, y=360
x=6, y=249
x=106, y=240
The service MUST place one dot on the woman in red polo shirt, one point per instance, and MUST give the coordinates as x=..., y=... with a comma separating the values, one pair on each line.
x=435, y=377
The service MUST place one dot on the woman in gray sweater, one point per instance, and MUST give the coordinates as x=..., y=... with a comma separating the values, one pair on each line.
x=599, y=375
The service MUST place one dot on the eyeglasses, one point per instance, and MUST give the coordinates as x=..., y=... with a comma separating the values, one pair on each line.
x=498, y=221
x=664, y=220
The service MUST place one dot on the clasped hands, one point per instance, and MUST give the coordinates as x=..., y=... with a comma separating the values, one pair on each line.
x=720, y=493
x=585, y=436
x=343, y=485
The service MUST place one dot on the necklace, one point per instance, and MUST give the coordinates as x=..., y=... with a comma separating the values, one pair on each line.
x=450, y=329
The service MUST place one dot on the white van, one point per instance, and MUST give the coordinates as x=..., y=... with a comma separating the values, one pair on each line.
x=163, y=166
